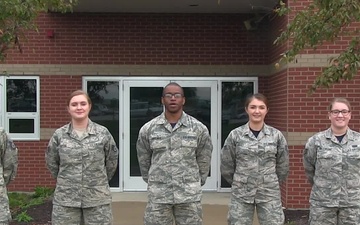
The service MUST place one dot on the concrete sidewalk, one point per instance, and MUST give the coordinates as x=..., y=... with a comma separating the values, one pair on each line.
x=128, y=208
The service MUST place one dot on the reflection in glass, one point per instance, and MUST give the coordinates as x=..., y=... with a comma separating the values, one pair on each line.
x=198, y=104
x=145, y=104
x=21, y=126
x=21, y=95
x=233, y=109
x=105, y=111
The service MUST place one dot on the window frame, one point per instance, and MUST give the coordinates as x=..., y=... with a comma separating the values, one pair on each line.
x=35, y=116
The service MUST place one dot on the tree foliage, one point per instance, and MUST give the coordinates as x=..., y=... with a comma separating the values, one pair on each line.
x=325, y=21
x=17, y=16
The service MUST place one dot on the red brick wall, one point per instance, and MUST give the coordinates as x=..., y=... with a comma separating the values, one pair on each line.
x=54, y=91
x=308, y=113
x=277, y=25
x=146, y=39
x=275, y=88
x=298, y=189
x=32, y=171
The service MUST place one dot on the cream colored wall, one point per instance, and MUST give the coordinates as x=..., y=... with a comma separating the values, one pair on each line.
x=137, y=70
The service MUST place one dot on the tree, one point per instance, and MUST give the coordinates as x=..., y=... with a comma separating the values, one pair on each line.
x=325, y=21
x=17, y=16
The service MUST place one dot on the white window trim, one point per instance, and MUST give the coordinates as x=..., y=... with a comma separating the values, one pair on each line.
x=23, y=115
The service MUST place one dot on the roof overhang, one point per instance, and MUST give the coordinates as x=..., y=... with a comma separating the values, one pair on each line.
x=179, y=6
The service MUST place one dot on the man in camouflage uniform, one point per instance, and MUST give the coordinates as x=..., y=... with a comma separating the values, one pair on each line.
x=82, y=162
x=174, y=153
x=332, y=166
x=8, y=169
x=254, y=159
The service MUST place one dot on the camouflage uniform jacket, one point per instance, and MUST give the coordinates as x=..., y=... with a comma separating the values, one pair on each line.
x=175, y=161
x=8, y=169
x=333, y=169
x=8, y=159
x=255, y=166
x=82, y=166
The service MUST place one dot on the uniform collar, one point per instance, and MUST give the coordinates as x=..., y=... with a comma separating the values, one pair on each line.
x=265, y=129
x=349, y=134
x=90, y=129
x=182, y=121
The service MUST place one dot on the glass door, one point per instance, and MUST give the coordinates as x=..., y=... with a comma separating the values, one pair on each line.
x=142, y=102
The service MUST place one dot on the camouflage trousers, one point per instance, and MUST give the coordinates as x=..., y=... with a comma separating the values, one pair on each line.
x=269, y=213
x=5, y=215
x=165, y=214
x=62, y=215
x=320, y=215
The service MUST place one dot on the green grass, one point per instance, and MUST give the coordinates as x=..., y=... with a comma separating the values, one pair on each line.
x=19, y=202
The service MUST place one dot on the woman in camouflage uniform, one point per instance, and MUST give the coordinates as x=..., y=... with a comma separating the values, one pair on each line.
x=82, y=156
x=254, y=160
x=332, y=166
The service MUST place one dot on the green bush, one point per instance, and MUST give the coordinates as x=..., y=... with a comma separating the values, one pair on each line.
x=23, y=217
x=44, y=192
x=19, y=202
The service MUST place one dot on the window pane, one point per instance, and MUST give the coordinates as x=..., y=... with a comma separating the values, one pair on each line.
x=233, y=109
x=198, y=105
x=21, y=126
x=105, y=111
x=21, y=95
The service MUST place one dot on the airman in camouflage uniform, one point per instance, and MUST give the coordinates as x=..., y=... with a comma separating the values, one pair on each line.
x=83, y=162
x=254, y=159
x=8, y=169
x=332, y=166
x=174, y=153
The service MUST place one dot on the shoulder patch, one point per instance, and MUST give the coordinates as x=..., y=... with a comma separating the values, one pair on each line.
x=11, y=145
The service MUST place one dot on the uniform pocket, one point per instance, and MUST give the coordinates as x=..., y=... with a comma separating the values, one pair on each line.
x=270, y=151
x=157, y=178
x=325, y=154
x=354, y=155
x=189, y=141
x=158, y=144
x=326, y=160
x=323, y=183
x=355, y=183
